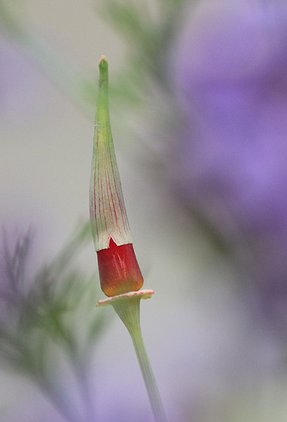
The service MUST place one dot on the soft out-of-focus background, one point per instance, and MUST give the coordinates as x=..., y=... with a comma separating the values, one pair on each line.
x=199, y=103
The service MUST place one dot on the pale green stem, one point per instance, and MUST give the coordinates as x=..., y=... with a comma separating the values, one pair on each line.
x=128, y=311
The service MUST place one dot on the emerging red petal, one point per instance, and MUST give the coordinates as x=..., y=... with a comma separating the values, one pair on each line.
x=119, y=269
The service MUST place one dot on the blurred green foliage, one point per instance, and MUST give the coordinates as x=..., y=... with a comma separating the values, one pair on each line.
x=147, y=36
x=51, y=312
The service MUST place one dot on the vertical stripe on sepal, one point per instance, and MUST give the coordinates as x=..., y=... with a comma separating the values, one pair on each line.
x=107, y=208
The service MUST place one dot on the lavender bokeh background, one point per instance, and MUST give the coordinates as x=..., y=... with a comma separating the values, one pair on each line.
x=230, y=76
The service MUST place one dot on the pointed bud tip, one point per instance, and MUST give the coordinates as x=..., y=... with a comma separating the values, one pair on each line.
x=103, y=62
x=103, y=67
x=103, y=58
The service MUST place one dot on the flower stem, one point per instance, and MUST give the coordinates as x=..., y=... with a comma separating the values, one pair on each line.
x=148, y=376
x=129, y=312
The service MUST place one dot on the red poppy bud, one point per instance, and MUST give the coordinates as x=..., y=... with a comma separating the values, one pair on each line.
x=118, y=267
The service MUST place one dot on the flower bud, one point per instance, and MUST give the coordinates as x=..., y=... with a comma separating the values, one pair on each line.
x=118, y=266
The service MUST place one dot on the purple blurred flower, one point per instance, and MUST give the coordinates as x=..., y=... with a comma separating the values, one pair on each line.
x=231, y=81
x=22, y=87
